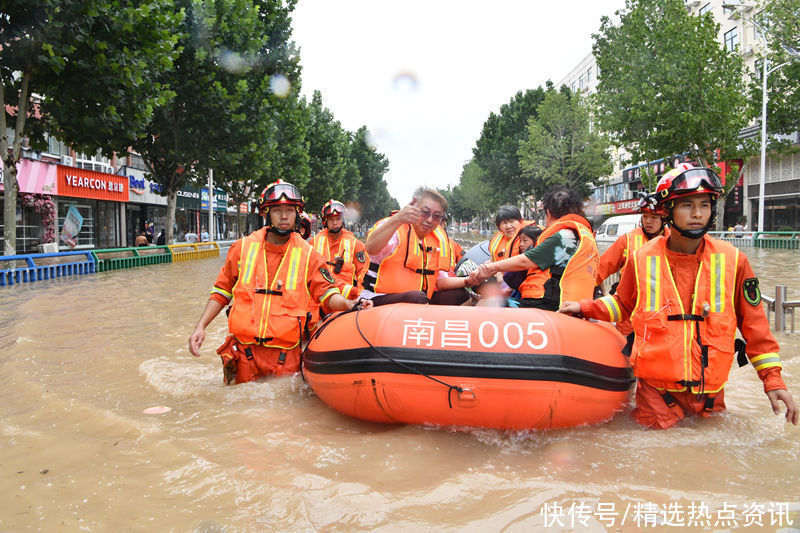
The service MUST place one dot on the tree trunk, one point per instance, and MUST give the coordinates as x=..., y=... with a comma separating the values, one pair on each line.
x=172, y=198
x=10, y=210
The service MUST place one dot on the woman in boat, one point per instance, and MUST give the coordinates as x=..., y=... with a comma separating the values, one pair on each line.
x=563, y=264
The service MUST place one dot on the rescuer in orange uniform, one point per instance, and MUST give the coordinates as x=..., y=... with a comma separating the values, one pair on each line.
x=686, y=294
x=508, y=221
x=618, y=254
x=270, y=279
x=409, y=251
x=563, y=264
x=345, y=255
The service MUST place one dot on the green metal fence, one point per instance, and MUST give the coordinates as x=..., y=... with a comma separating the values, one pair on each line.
x=784, y=240
x=117, y=258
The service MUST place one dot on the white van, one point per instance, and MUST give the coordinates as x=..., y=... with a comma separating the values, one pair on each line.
x=612, y=228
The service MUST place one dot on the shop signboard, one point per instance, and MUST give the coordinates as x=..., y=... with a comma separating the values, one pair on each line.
x=82, y=183
x=188, y=198
x=220, y=200
x=72, y=226
x=143, y=190
x=34, y=177
x=617, y=208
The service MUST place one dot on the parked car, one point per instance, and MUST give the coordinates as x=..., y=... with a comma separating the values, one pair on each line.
x=612, y=228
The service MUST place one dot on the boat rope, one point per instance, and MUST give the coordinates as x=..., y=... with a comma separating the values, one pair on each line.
x=450, y=388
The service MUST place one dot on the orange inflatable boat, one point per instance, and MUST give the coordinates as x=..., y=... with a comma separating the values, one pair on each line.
x=468, y=366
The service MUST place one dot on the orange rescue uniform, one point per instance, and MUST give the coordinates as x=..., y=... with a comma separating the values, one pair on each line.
x=270, y=288
x=685, y=309
x=616, y=257
x=354, y=259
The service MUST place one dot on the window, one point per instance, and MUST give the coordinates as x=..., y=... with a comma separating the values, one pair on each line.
x=573, y=86
x=56, y=147
x=705, y=9
x=589, y=75
x=732, y=40
x=582, y=83
x=758, y=69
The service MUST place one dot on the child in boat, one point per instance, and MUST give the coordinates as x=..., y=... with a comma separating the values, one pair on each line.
x=488, y=293
x=526, y=240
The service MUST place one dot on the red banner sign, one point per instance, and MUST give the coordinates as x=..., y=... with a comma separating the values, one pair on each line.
x=82, y=183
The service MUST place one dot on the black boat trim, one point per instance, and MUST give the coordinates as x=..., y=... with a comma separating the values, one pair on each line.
x=467, y=364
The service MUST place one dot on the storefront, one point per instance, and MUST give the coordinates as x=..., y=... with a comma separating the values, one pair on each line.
x=187, y=213
x=220, y=209
x=35, y=212
x=147, y=208
x=99, y=199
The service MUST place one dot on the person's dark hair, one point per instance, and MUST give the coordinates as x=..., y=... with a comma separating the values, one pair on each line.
x=561, y=201
x=507, y=212
x=531, y=231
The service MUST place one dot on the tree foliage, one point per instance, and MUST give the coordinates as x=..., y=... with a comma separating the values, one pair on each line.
x=668, y=86
x=561, y=148
x=373, y=198
x=469, y=199
x=781, y=21
x=231, y=51
x=496, y=150
x=95, y=65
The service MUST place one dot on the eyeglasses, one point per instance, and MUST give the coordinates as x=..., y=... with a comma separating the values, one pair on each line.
x=437, y=217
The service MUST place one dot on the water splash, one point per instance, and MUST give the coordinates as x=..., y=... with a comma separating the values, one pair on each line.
x=232, y=61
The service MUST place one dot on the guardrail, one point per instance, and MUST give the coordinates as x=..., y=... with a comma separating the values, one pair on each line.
x=785, y=240
x=780, y=306
x=200, y=250
x=29, y=268
x=115, y=258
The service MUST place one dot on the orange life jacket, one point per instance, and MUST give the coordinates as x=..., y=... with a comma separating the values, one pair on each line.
x=575, y=281
x=675, y=348
x=346, y=279
x=512, y=248
x=413, y=265
x=272, y=316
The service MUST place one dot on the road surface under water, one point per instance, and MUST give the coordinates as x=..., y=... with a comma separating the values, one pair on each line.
x=82, y=359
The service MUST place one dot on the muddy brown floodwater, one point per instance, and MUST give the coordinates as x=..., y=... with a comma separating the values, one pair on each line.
x=80, y=360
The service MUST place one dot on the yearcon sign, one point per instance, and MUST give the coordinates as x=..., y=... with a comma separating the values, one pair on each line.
x=82, y=183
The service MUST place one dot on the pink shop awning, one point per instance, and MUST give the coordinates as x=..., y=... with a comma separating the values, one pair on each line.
x=35, y=177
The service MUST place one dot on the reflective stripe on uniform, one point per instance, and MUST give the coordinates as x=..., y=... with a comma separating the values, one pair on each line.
x=330, y=292
x=766, y=360
x=717, y=284
x=249, y=262
x=221, y=292
x=293, y=268
x=613, y=308
x=653, y=275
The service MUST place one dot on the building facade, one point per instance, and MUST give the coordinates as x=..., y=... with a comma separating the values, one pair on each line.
x=782, y=177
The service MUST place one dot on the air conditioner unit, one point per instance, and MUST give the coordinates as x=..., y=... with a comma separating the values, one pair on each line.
x=747, y=51
x=67, y=160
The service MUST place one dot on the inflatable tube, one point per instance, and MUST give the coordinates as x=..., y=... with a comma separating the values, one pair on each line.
x=469, y=366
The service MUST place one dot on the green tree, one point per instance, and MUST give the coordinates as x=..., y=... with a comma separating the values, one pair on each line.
x=472, y=193
x=333, y=171
x=669, y=87
x=561, y=148
x=496, y=149
x=373, y=197
x=780, y=20
x=231, y=52
x=94, y=63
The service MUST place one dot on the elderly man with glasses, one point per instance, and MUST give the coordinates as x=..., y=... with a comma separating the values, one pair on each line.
x=409, y=252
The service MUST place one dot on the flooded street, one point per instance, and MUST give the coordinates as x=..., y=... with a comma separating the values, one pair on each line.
x=81, y=359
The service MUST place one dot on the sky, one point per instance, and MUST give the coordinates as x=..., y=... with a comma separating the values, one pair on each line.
x=423, y=76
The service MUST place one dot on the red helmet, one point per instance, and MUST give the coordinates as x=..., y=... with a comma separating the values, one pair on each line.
x=647, y=203
x=331, y=208
x=279, y=192
x=305, y=225
x=685, y=180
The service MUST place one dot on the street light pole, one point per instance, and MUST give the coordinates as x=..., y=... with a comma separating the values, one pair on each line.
x=763, y=177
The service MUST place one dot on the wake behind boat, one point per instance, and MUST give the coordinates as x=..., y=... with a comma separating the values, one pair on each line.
x=469, y=366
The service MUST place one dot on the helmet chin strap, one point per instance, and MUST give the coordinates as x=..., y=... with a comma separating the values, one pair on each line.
x=334, y=230
x=651, y=235
x=694, y=233
x=279, y=232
